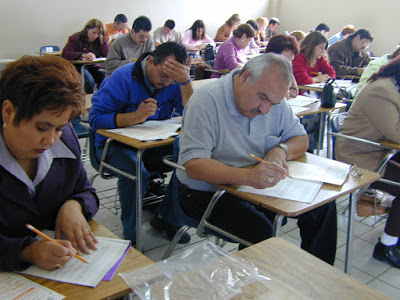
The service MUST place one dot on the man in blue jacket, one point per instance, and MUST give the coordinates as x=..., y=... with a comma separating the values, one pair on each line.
x=152, y=88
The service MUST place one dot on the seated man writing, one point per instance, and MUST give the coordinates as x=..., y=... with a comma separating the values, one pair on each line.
x=150, y=89
x=245, y=112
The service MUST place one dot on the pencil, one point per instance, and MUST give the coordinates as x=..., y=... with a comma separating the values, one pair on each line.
x=46, y=237
x=261, y=160
x=316, y=73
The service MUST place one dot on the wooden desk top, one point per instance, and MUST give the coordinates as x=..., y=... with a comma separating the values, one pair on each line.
x=134, y=142
x=198, y=83
x=56, y=53
x=328, y=192
x=88, y=62
x=197, y=60
x=296, y=274
x=350, y=76
x=106, y=289
x=315, y=108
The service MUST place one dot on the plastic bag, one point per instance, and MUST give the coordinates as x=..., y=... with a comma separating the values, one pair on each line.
x=202, y=272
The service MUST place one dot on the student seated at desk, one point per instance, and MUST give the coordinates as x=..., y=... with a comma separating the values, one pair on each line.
x=151, y=88
x=260, y=37
x=196, y=38
x=88, y=44
x=225, y=31
x=117, y=28
x=42, y=179
x=245, y=111
x=167, y=33
x=309, y=66
x=272, y=28
x=375, y=116
x=346, y=31
x=285, y=45
x=348, y=56
x=131, y=45
x=231, y=54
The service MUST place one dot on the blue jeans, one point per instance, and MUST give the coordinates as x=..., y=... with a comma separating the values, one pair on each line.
x=123, y=157
x=93, y=75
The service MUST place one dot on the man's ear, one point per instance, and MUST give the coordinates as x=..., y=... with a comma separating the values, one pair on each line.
x=245, y=76
x=151, y=59
x=8, y=112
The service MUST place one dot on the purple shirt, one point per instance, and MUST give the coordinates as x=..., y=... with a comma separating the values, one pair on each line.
x=228, y=56
x=38, y=202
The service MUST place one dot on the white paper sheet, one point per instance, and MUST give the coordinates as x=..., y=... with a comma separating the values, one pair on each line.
x=14, y=286
x=333, y=174
x=108, y=252
x=151, y=130
x=288, y=188
x=298, y=109
x=301, y=100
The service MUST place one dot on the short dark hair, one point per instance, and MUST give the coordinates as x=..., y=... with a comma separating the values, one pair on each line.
x=321, y=27
x=309, y=43
x=363, y=33
x=281, y=42
x=244, y=28
x=170, y=24
x=395, y=53
x=141, y=23
x=274, y=21
x=35, y=83
x=170, y=48
x=198, y=24
x=121, y=18
x=253, y=24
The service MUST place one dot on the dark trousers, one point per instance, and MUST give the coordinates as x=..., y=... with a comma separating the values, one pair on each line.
x=392, y=172
x=318, y=228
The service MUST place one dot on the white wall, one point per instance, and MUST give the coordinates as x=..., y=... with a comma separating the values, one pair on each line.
x=26, y=25
x=380, y=17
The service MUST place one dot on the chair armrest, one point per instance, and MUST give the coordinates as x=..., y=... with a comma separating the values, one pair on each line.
x=167, y=160
x=355, y=138
x=390, y=145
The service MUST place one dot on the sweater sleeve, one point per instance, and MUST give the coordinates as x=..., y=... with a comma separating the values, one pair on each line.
x=221, y=35
x=187, y=40
x=299, y=64
x=326, y=68
x=71, y=49
x=115, y=57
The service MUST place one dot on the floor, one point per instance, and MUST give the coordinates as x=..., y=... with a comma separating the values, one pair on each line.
x=366, y=269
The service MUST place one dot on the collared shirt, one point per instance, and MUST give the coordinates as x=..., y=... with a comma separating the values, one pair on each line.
x=160, y=36
x=213, y=127
x=8, y=162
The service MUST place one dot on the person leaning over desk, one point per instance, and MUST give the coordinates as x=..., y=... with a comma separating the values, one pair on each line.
x=42, y=179
x=245, y=112
x=152, y=88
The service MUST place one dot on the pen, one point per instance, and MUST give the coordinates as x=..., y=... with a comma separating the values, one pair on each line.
x=46, y=237
x=261, y=160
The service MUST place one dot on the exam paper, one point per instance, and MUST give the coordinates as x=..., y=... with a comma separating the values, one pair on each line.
x=288, y=188
x=301, y=100
x=151, y=130
x=298, y=109
x=330, y=174
x=108, y=252
x=14, y=286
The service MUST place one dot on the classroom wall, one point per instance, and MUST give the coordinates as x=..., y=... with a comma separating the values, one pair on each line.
x=26, y=25
x=381, y=18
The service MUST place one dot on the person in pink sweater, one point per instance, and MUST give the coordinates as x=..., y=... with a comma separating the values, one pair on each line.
x=309, y=65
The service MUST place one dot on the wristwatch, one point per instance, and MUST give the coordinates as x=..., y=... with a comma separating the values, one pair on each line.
x=286, y=148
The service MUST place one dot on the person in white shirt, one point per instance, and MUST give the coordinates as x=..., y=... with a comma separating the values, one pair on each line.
x=167, y=33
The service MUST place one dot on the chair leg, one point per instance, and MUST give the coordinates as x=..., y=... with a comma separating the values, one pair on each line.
x=175, y=240
x=93, y=177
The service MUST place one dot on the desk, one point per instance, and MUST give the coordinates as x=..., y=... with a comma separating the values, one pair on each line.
x=198, y=83
x=350, y=76
x=328, y=193
x=83, y=63
x=318, y=87
x=106, y=289
x=197, y=60
x=54, y=53
x=88, y=101
x=296, y=274
x=140, y=147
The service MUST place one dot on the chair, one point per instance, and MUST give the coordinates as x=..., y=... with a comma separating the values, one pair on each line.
x=365, y=204
x=312, y=124
x=82, y=131
x=48, y=49
x=204, y=228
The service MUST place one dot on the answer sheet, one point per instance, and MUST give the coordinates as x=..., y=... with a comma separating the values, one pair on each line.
x=108, y=252
x=151, y=130
x=14, y=286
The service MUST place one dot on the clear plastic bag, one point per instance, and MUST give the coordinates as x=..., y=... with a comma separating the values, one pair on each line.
x=202, y=272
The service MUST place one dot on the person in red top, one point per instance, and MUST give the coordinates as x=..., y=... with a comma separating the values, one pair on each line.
x=309, y=65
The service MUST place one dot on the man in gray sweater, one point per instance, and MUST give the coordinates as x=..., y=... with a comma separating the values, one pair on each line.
x=131, y=45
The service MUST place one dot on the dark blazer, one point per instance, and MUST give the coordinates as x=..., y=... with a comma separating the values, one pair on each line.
x=65, y=180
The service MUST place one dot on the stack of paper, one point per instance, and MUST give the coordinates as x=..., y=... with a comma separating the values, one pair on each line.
x=151, y=130
x=306, y=181
x=102, y=264
x=298, y=104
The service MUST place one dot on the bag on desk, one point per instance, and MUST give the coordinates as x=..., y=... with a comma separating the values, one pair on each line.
x=328, y=96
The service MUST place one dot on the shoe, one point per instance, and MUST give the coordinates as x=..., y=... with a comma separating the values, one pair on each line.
x=388, y=254
x=167, y=230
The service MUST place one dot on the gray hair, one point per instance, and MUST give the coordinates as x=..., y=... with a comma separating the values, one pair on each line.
x=266, y=62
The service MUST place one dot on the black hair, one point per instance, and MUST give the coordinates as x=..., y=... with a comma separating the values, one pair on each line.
x=321, y=27
x=121, y=18
x=170, y=48
x=141, y=23
x=363, y=33
x=170, y=24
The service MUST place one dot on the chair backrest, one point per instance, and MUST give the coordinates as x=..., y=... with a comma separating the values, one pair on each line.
x=48, y=49
x=336, y=124
x=92, y=151
x=311, y=124
x=81, y=130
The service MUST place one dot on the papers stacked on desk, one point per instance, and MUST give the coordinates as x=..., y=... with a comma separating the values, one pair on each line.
x=151, y=130
x=297, y=104
x=102, y=265
x=306, y=181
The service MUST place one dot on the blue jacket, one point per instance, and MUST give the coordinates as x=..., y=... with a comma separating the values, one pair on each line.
x=123, y=92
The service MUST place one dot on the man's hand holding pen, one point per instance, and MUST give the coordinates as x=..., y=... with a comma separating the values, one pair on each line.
x=146, y=109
